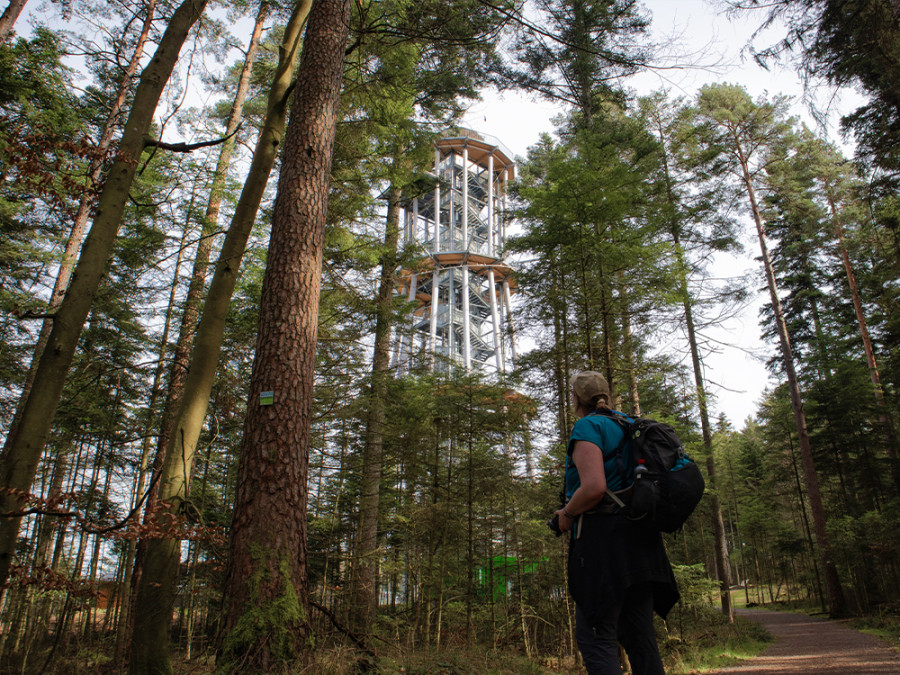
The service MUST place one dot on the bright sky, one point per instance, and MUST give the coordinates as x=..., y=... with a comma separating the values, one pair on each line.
x=707, y=38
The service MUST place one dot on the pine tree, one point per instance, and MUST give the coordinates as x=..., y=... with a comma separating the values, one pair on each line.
x=266, y=606
x=734, y=134
x=685, y=208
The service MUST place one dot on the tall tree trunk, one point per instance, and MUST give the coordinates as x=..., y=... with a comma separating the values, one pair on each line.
x=606, y=313
x=85, y=204
x=634, y=395
x=723, y=567
x=587, y=324
x=22, y=450
x=560, y=376
x=148, y=639
x=883, y=410
x=155, y=584
x=836, y=603
x=364, y=591
x=193, y=300
x=266, y=622
x=126, y=603
x=10, y=14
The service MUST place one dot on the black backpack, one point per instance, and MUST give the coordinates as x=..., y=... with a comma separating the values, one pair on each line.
x=670, y=485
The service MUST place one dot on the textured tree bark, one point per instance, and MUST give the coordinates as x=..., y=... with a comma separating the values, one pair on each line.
x=22, y=451
x=266, y=623
x=155, y=575
x=836, y=601
x=365, y=564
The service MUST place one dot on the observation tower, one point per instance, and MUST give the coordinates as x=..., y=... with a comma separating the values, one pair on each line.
x=461, y=286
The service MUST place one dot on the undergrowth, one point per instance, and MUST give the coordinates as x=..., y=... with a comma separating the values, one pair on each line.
x=884, y=623
x=713, y=644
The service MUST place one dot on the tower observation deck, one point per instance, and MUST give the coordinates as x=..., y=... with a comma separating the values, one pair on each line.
x=461, y=286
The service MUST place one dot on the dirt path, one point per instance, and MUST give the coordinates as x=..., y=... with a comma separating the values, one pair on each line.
x=805, y=644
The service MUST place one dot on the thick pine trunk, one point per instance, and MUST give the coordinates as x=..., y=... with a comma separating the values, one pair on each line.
x=836, y=603
x=364, y=601
x=22, y=451
x=266, y=623
x=155, y=581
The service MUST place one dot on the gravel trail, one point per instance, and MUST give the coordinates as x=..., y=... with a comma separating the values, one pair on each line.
x=805, y=644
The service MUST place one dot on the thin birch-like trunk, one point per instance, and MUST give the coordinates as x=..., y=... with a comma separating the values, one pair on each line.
x=364, y=587
x=23, y=448
x=123, y=623
x=884, y=415
x=156, y=588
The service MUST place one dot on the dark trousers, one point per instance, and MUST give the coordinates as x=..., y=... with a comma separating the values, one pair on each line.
x=630, y=623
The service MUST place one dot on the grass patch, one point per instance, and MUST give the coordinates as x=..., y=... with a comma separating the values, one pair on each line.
x=712, y=643
x=885, y=624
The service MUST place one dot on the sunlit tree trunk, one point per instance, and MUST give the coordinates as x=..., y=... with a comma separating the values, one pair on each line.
x=8, y=19
x=194, y=298
x=723, y=568
x=878, y=391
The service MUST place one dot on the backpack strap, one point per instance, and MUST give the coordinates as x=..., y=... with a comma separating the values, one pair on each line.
x=623, y=423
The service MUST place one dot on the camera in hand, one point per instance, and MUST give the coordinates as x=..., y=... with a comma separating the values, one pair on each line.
x=553, y=524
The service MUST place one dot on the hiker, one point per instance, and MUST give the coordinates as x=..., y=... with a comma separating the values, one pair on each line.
x=618, y=569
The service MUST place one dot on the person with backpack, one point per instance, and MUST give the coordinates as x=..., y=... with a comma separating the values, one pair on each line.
x=619, y=573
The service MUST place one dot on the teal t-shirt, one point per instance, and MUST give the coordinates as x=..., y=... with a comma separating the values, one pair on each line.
x=607, y=435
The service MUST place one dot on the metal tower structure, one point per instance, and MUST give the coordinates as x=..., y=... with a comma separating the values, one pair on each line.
x=461, y=286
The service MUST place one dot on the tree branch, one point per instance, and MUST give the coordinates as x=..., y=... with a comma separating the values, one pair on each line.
x=187, y=147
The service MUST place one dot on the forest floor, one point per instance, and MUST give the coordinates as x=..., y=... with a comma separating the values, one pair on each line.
x=807, y=644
